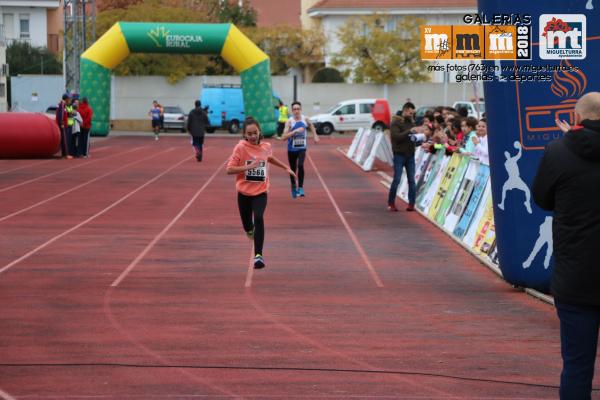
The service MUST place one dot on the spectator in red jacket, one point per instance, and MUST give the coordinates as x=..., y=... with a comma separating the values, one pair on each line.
x=87, y=113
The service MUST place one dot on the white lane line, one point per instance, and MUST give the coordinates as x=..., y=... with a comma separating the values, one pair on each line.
x=79, y=225
x=150, y=245
x=77, y=165
x=25, y=166
x=81, y=185
x=250, y=269
x=357, y=244
x=6, y=396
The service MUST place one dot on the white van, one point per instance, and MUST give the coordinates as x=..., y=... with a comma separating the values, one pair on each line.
x=471, y=107
x=351, y=115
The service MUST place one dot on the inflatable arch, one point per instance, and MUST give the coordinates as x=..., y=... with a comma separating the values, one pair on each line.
x=224, y=39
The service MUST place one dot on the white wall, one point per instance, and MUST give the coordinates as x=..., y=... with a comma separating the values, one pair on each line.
x=35, y=93
x=132, y=96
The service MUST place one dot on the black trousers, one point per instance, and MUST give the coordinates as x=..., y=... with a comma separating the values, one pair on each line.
x=83, y=145
x=64, y=143
x=197, y=143
x=252, y=209
x=296, y=160
x=280, y=128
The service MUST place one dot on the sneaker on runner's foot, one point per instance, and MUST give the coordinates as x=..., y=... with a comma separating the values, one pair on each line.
x=259, y=262
x=301, y=192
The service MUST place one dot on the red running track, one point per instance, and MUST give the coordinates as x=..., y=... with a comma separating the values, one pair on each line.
x=126, y=276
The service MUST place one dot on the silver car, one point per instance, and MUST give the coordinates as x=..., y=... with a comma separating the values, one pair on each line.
x=174, y=118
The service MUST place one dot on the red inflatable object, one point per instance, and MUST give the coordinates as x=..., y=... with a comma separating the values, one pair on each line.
x=28, y=135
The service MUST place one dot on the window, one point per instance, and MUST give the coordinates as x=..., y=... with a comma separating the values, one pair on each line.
x=346, y=110
x=8, y=22
x=390, y=24
x=24, y=26
x=366, y=108
x=2, y=90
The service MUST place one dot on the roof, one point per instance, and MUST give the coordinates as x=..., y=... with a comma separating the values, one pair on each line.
x=393, y=4
x=276, y=12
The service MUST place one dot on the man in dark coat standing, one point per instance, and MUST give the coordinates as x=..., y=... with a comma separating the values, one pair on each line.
x=196, y=126
x=401, y=130
x=568, y=183
x=62, y=119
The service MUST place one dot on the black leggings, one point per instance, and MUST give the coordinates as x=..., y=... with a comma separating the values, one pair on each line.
x=296, y=160
x=249, y=206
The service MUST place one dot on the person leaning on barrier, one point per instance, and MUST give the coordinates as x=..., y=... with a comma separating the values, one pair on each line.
x=403, y=135
x=568, y=183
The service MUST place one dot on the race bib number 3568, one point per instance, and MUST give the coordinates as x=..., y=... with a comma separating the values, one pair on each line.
x=258, y=174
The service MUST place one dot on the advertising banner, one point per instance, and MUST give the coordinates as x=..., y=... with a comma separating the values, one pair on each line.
x=427, y=199
x=523, y=100
x=444, y=185
x=478, y=187
x=462, y=197
x=452, y=190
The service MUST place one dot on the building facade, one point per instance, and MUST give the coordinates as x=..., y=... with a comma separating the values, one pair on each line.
x=37, y=22
x=3, y=72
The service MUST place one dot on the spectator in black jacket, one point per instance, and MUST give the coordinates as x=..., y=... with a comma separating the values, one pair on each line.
x=196, y=126
x=403, y=146
x=568, y=183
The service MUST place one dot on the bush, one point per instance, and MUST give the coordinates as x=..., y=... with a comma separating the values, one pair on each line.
x=328, y=75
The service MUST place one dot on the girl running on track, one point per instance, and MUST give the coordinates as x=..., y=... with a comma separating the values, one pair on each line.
x=249, y=163
x=295, y=133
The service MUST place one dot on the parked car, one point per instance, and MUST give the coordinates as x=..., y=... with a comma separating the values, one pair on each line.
x=51, y=112
x=420, y=113
x=474, y=109
x=225, y=106
x=350, y=115
x=174, y=118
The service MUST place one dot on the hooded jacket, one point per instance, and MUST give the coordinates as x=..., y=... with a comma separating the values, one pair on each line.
x=568, y=183
x=197, y=122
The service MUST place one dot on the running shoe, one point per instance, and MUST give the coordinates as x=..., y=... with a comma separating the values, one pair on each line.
x=392, y=207
x=294, y=192
x=411, y=207
x=155, y=137
x=301, y=192
x=259, y=262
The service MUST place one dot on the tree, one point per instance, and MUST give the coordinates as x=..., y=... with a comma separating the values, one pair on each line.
x=22, y=58
x=328, y=75
x=115, y=4
x=226, y=11
x=370, y=53
x=174, y=66
x=240, y=15
x=289, y=47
